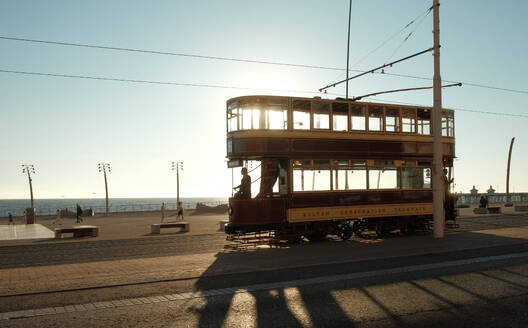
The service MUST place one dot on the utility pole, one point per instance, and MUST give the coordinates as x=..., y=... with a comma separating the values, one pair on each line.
x=508, y=199
x=348, y=44
x=29, y=168
x=103, y=167
x=177, y=166
x=438, y=183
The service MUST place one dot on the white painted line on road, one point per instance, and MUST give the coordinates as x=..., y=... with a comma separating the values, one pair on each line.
x=245, y=289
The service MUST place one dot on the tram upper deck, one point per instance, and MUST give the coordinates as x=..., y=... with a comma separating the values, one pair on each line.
x=275, y=126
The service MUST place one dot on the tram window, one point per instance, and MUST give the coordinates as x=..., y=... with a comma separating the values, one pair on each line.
x=444, y=126
x=349, y=178
x=245, y=121
x=383, y=178
x=408, y=120
x=357, y=118
x=339, y=117
x=301, y=115
x=375, y=122
x=259, y=119
x=232, y=119
x=321, y=112
x=278, y=114
x=416, y=178
x=450, y=124
x=392, y=120
x=424, y=121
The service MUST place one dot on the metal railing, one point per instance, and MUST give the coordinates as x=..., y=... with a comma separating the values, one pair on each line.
x=114, y=208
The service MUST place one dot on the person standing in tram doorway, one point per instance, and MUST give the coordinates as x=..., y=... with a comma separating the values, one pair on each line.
x=244, y=189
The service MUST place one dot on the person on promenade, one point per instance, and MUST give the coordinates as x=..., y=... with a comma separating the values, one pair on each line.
x=10, y=216
x=180, y=211
x=79, y=213
x=58, y=218
x=244, y=189
x=163, y=209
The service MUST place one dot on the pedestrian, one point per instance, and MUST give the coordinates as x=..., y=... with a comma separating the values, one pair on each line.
x=163, y=208
x=79, y=213
x=58, y=218
x=180, y=211
x=10, y=216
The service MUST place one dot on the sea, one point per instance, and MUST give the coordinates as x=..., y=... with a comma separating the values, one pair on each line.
x=50, y=206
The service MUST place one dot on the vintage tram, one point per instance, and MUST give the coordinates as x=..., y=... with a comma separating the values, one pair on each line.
x=334, y=166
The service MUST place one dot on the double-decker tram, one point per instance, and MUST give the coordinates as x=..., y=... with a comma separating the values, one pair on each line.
x=334, y=166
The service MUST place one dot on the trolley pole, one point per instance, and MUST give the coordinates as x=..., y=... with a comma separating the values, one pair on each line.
x=508, y=199
x=177, y=166
x=348, y=44
x=103, y=167
x=29, y=168
x=437, y=182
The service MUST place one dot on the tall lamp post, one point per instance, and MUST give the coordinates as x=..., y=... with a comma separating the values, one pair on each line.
x=177, y=166
x=29, y=168
x=103, y=167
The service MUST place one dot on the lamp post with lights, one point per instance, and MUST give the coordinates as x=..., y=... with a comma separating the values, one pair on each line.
x=29, y=168
x=103, y=167
x=177, y=166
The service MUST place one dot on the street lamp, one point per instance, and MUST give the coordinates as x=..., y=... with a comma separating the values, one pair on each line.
x=103, y=167
x=29, y=168
x=177, y=166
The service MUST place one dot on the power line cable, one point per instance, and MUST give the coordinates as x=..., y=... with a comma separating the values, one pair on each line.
x=424, y=14
x=410, y=34
x=230, y=87
x=100, y=78
x=248, y=61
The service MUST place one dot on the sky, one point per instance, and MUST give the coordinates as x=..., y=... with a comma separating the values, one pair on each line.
x=66, y=126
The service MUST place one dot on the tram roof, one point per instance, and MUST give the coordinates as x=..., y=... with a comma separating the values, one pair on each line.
x=319, y=99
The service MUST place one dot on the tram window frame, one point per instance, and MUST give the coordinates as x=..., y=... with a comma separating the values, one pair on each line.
x=375, y=116
x=347, y=170
x=320, y=110
x=343, y=112
x=305, y=108
x=423, y=120
x=448, y=119
x=408, y=120
x=276, y=106
x=381, y=184
x=423, y=180
x=394, y=119
x=232, y=116
x=358, y=120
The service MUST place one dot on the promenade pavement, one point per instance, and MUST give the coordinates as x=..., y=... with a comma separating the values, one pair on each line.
x=126, y=252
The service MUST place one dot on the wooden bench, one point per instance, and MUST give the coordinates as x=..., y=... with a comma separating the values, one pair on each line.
x=156, y=227
x=521, y=208
x=78, y=231
x=494, y=210
x=480, y=210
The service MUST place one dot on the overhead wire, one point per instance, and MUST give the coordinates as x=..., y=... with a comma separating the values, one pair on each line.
x=424, y=14
x=99, y=78
x=428, y=11
x=479, y=85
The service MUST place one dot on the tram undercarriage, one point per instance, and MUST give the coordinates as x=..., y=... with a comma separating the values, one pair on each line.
x=319, y=230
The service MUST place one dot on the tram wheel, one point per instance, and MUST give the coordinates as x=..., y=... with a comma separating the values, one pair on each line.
x=358, y=229
x=382, y=230
x=345, y=231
